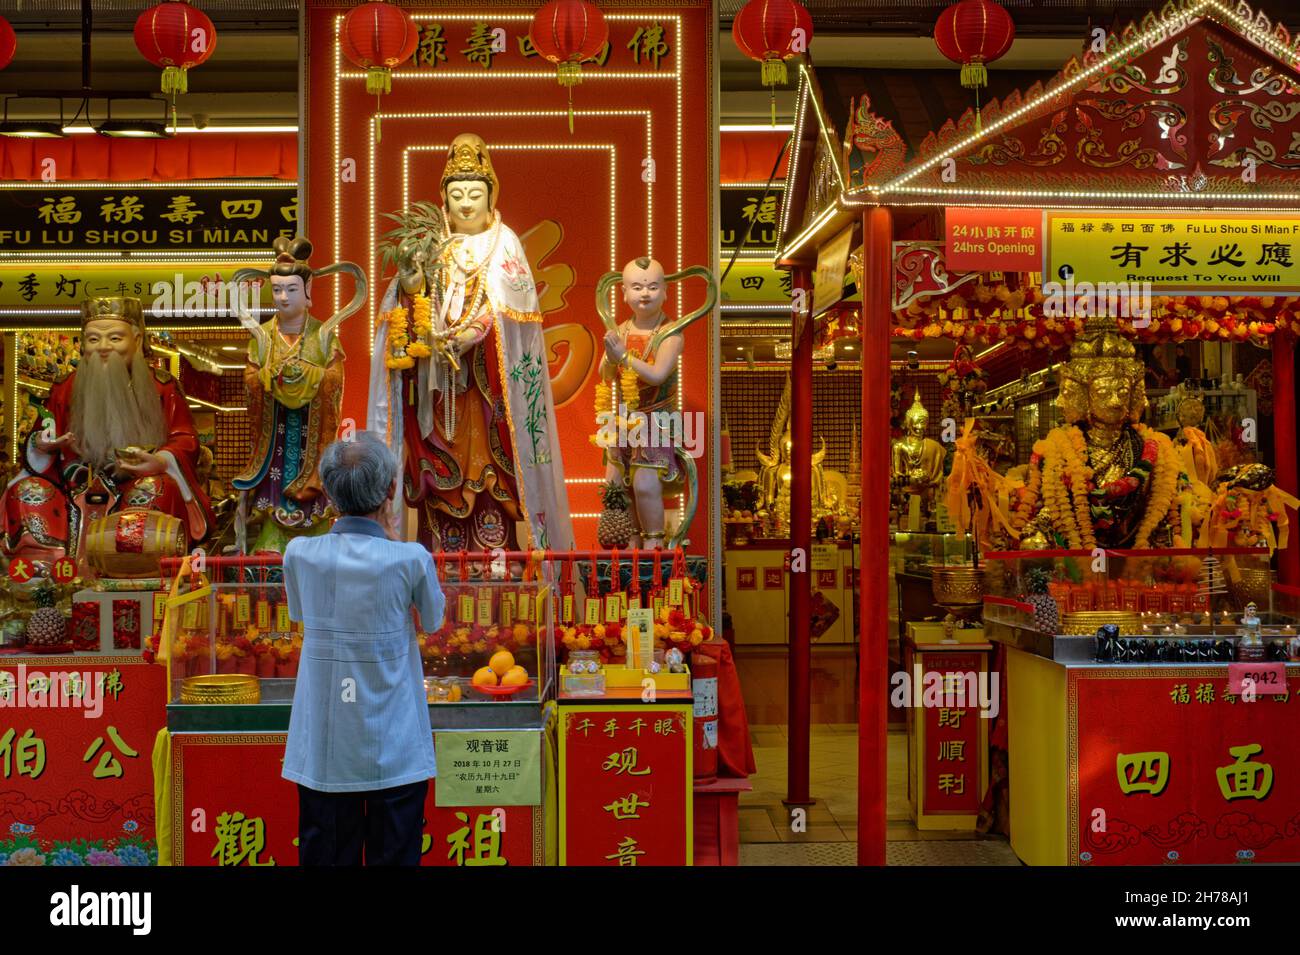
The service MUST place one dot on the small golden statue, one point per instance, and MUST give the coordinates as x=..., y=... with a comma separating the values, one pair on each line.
x=917, y=463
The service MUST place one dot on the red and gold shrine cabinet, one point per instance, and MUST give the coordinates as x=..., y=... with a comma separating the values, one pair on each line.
x=947, y=746
x=1149, y=765
x=626, y=783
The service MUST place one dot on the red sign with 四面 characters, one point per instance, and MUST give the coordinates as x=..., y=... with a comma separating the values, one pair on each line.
x=997, y=240
x=250, y=817
x=1172, y=767
x=625, y=785
x=76, y=741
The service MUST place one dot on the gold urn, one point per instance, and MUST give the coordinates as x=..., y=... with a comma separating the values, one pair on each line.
x=221, y=688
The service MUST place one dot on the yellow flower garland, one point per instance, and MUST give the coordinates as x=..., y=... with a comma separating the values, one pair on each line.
x=1164, y=486
x=402, y=352
x=422, y=317
x=629, y=383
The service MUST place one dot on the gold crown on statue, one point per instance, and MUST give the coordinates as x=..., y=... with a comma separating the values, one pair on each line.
x=917, y=413
x=1100, y=352
x=468, y=159
x=126, y=310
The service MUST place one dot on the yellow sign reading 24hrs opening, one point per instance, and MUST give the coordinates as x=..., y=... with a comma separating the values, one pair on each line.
x=1179, y=253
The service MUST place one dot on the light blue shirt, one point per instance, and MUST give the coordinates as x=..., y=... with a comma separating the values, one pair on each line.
x=360, y=718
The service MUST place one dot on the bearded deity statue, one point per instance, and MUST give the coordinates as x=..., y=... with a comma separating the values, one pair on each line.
x=118, y=437
x=294, y=378
x=460, y=384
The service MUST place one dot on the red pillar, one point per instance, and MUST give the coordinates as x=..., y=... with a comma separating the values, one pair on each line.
x=1284, y=442
x=800, y=582
x=873, y=645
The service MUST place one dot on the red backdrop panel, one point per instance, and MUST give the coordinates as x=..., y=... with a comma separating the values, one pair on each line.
x=1171, y=736
x=632, y=178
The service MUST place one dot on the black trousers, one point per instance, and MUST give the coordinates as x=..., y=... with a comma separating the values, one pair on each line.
x=335, y=828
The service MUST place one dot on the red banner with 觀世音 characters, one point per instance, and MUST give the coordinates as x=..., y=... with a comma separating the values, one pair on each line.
x=634, y=177
x=1168, y=767
x=76, y=740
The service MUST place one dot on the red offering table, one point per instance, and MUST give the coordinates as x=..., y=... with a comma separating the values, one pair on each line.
x=76, y=742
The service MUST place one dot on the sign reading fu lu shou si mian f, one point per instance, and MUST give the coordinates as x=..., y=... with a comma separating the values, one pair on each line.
x=1178, y=253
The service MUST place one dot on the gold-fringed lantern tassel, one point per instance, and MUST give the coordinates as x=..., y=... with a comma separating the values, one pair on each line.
x=773, y=73
x=569, y=74
x=379, y=80
x=175, y=79
x=974, y=75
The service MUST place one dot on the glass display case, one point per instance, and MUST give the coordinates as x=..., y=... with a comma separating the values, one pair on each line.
x=234, y=621
x=914, y=552
x=1154, y=606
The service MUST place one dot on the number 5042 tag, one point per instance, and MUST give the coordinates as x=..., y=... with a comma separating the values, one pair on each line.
x=1267, y=679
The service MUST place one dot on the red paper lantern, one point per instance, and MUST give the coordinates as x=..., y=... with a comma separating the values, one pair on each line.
x=972, y=33
x=772, y=31
x=8, y=43
x=567, y=32
x=377, y=37
x=175, y=37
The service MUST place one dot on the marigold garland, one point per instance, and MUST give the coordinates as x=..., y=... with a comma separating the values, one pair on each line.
x=398, y=358
x=422, y=318
x=630, y=384
x=1164, y=486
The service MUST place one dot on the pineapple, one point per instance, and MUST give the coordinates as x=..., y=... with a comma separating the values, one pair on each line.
x=615, y=528
x=46, y=627
x=1047, y=616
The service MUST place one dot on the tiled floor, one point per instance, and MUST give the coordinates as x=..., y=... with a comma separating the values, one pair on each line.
x=771, y=835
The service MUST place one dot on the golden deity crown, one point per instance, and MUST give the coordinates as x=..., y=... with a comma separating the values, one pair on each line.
x=468, y=158
x=126, y=310
x=1100, y=351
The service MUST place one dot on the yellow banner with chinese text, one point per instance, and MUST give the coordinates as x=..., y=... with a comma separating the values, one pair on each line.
x=1179, y=253
x=173, y=287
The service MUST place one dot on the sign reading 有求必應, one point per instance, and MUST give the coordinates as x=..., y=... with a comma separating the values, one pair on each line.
x=71, y=217
x=488, y=767
x=1213, y=253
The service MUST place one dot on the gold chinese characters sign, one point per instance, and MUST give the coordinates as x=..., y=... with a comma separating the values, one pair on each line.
x=73, y=217
x=172, y=286
x=1177, y=253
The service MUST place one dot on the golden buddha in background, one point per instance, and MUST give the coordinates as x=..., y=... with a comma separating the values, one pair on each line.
x=917, y=460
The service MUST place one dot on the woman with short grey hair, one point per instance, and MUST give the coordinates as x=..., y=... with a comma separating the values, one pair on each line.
x=360, y=743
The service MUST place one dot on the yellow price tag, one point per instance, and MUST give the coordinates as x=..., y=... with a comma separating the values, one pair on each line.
x=282, y=620
x=593, y=610
x=612, y=608
x=566, y=612
x=507, y=610
x=525, y=607
x=485, y=611
x=659, y=605
x=634, y=603
x=675, y=592
x=241, y=610
x=466, y=610
x=263, y=615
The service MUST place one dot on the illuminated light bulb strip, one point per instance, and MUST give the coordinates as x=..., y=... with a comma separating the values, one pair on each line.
x=1068, y=194
x=728, y=307
x=748, y=253
x=675, y=75
x=803, y=92
x=337, y=174
x=520, y=75
x=827, y=214
x=190, y=130
x=755, y=128
x=151, y=184
x=1145, y=41
x=208, y=404
x=776, y=184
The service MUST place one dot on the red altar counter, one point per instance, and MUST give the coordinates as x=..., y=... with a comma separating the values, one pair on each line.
x=76, y=741
x=1149, y=765
x=250, y=817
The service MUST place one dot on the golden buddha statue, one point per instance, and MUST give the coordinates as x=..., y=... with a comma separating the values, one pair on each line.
x=917, y=460
x=774, y=477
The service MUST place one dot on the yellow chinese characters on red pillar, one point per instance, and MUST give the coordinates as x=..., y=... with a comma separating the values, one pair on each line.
x=240, y=840
x=1142, y=772
x=626, y=853
x=625, y=762
x=1244, y=778
x=26, y=758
